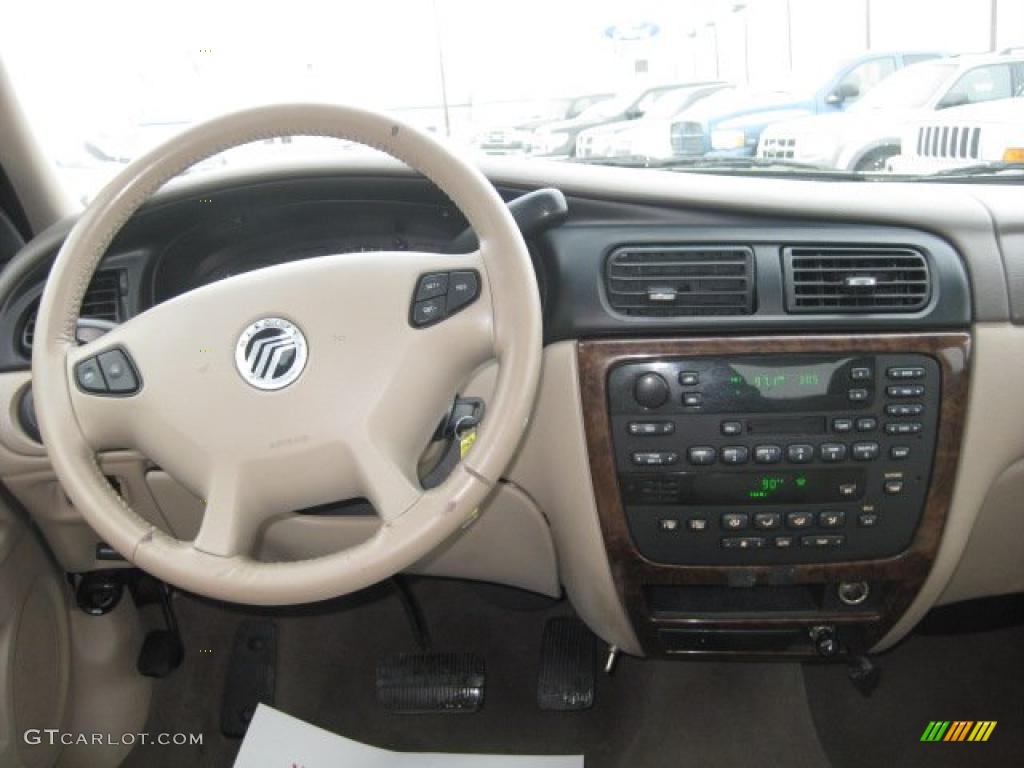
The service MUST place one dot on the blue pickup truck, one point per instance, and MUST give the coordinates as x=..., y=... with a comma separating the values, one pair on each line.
x=729, y=123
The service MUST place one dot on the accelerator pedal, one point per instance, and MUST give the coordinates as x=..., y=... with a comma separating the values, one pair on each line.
x=251, y=677
x=431, y=683
x=566, y=680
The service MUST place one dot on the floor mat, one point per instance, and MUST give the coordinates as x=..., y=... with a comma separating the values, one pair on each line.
x=949, y=675
x=646, y=714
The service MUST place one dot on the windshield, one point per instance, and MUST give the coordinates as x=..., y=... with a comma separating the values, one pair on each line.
x=108, y=81
x=914, y=87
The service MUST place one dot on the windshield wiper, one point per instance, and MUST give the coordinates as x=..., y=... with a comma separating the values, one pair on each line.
x=728, y=165
x=979, y=169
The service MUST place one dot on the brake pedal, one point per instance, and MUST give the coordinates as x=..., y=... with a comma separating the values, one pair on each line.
x=566, y=680
x=431, y=683
x=251, y=677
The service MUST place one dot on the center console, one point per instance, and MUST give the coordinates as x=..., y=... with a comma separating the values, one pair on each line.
x=756, y=492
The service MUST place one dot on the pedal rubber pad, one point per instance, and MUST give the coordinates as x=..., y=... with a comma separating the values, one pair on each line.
x=251, y=675
x=422, y=683
x=566, y=680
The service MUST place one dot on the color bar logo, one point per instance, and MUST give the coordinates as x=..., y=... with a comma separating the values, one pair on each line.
x=958, y=730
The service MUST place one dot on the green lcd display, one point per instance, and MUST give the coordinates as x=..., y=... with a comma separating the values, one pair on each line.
x=782, y=382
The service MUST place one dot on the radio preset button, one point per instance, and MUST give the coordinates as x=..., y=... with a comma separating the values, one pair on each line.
x=655, y=458
x=799, y=520
x=800, y=453
x=906, y=373
x=767, y=454
x=832, y=452
x=858, y=395
x=689, y=378
x=905, y=390
x=735, y=454
x=860, y=373
x=842, y=425
x=903, y=427
x=767, y=521
x=651, y=428
x=651, y=390
x=732, y=428
x=735, y=521
x=867, y=424
x=832, y=519
x=899, y=452
x=865, y=451
x=904, y=409
x=701, y=455
x=693, y=399
x=743, y=542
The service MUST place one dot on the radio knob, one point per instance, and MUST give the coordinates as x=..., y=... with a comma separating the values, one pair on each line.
x=651, y=390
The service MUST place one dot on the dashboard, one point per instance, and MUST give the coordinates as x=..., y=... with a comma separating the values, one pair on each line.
x=762, y=419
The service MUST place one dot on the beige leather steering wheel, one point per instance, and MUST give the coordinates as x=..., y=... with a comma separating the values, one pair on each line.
x=336, y=402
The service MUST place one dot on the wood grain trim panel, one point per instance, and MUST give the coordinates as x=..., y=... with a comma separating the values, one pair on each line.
x=902, y=575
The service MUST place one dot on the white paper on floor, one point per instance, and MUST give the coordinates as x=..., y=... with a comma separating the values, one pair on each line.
x=277, y=740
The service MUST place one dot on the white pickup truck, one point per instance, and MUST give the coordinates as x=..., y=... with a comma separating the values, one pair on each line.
x=978, y=134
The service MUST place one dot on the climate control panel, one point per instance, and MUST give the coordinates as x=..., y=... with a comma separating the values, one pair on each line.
x=767, y=459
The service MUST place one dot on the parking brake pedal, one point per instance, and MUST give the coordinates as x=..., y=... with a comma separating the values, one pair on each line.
x=566, y=680
x=431, y=683
x=251, y=675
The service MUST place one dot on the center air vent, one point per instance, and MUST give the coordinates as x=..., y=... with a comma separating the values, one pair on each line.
x=102, y=301
x=681, y=280
x=856, y=279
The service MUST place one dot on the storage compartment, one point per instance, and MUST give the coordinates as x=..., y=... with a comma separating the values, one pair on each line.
x=719, y=601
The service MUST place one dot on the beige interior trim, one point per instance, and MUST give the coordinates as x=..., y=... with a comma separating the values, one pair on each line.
x=993, y=441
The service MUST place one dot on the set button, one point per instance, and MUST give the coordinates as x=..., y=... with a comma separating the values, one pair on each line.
x=108, y=373
x=441, y=294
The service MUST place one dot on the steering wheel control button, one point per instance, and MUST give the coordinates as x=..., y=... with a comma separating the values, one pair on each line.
x=89, y=377
x=271, y=353
x=428, y=312
x=439, y=295
x=432, y=286
x=463, y=288
x=118, y=371
x=651, y=390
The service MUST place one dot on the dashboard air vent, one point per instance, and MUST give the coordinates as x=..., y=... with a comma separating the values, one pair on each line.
x=838, y=279
x=102, y=301
x=681, y=280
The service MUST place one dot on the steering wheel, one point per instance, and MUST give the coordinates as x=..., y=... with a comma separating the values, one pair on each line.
x=294, y=385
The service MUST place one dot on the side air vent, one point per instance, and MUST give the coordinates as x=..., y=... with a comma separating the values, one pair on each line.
x=856, y=279
x=681, y=280
x=102, y=301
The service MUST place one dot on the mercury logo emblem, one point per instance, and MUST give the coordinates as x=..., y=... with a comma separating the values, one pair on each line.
x=271, y=353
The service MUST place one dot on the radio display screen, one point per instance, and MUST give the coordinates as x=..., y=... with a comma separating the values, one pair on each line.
x=784, y=382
